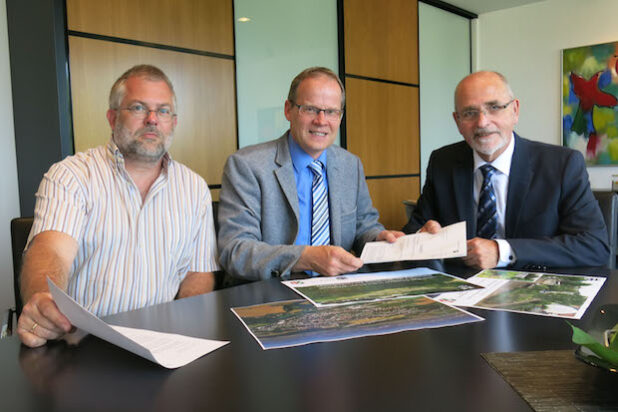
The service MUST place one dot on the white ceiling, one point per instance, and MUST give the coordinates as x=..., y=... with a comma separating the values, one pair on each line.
x=484, y=6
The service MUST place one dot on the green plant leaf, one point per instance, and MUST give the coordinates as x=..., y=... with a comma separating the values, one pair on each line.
x=582, y=338
x=613, y=343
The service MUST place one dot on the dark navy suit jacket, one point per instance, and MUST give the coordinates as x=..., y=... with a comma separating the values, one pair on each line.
x=552, y=218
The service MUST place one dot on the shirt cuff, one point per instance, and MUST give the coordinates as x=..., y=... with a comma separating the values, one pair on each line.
x=507, y=255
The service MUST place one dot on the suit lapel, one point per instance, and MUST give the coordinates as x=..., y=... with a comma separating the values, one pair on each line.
x=336, y=184
x=285, y=174
x=519, y=182
x=463, y=187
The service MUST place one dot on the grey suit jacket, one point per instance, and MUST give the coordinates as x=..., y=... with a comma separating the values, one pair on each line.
x=258, y=209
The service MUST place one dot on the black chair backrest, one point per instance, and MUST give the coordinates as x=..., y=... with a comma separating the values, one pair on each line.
x=608, y=202
x=215, y=214
x=20, y=229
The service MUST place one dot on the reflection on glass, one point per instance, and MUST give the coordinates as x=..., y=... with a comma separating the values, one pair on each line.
x=280, y=39
x=444, y=59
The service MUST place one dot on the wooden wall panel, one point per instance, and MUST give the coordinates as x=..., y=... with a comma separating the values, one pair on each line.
x=383, y=126
x=387, y=196
x=206, y=131
x=194, y=24
x=381, y=39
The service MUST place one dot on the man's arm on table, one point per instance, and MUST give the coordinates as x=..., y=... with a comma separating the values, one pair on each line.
x=327, y=260
x=50, y=254
x=196, y=283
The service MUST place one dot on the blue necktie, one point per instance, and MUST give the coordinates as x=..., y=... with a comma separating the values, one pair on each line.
x=487, y=217
x=320, y=221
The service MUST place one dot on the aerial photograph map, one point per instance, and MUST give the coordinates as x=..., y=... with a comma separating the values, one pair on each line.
x=566, y=296
x=298, y=322
x=377, y=286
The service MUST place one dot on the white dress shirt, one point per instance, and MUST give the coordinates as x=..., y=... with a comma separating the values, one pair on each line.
x=500, y=182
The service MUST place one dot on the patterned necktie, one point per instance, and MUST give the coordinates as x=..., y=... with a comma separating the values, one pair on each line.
x=320, y=222
x=487, y=217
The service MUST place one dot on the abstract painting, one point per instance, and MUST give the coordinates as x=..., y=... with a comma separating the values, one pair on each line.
x=590, y=103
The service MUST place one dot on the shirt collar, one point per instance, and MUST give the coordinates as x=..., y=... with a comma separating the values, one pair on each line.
x=113, y=154
x=300, y=158
x=502, y=163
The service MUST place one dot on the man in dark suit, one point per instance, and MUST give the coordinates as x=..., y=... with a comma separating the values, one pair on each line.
x=526, y=204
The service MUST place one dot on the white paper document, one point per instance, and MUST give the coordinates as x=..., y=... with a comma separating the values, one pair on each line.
x=449, y=242
x=547, y=294
x=167, y=349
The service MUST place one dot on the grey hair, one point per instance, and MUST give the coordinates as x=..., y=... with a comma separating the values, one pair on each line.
x=152, y=73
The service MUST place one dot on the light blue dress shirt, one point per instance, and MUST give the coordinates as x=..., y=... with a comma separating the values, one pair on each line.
x=304, y=180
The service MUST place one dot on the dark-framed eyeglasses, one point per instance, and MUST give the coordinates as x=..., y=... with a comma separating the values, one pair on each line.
x=490, y=110
x=313, y=112
x=140, y=111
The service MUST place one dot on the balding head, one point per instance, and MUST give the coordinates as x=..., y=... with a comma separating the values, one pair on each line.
x=486, y=113
x=485, y=75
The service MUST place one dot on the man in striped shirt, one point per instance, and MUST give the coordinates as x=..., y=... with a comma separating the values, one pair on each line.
x=121, y=226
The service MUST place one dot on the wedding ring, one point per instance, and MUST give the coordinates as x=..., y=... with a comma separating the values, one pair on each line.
x=34, y=326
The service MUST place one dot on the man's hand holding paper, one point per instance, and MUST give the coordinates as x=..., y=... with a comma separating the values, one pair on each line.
x=432, y=243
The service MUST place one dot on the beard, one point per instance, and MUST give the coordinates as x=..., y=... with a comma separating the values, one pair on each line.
x=134, y=149
x=482, y=137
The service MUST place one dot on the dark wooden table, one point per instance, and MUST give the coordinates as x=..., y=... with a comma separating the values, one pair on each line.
x=435, y=369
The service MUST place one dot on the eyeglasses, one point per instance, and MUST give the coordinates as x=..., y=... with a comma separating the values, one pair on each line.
x=139, y=111
x=313, y=112
x=490, y=110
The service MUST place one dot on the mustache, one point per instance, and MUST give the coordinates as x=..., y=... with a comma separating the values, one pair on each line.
x=481, y=132
x=149, y=129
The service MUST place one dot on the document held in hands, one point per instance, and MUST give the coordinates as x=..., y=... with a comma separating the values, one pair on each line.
x=167, y=349
x=449, y=242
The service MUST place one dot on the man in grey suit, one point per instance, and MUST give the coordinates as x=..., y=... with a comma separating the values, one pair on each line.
x=298, y=203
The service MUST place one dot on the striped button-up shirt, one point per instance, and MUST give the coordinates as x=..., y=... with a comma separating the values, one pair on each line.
x=131, y=253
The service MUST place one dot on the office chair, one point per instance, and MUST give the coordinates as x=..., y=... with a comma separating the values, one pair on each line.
x=215, y=214
x=409, y=206
x=20, y=229
x=608, y=202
